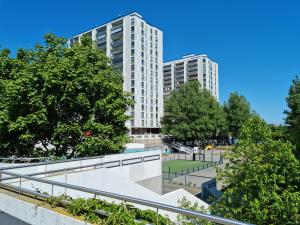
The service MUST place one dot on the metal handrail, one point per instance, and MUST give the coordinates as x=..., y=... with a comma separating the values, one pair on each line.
x=49, y=163
x=25, y=158
x=152, y=204
x=59, y=161
x=60, y=170
x=94, y=165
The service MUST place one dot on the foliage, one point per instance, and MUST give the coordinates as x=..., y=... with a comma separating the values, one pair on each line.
x=189, y=220
x=237, y=110
x=192, y=114
x=261, y=180
x=280, y=132
x=55, y=201
x=293, y=114
x=53, y=95
x=103, y=212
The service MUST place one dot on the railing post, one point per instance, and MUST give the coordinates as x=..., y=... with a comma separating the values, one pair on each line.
x=46, y=168
x=156, y=216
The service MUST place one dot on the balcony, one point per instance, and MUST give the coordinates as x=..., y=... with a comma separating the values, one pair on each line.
x=116, y=30
x=116, y=51
x=179, y=71
x=116, y=44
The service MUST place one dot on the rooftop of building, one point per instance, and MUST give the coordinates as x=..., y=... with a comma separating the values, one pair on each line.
x=187, y=57
x=112, y=21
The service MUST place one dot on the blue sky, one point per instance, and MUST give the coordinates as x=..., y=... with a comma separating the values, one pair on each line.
x=256, y=43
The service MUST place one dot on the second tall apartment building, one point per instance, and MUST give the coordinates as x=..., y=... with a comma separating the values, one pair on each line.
x=136, y=50
x=189, y=68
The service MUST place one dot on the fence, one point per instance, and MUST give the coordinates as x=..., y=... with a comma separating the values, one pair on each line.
x=185, y=178
x=210, y=155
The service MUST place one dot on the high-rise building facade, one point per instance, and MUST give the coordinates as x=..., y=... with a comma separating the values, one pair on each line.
x=136, y=50
x=191, y=67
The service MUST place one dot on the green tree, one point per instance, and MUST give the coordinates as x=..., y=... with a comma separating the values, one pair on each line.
x=279, y=132
x=293, y=114
x=237, y=110
x=67, y=98
x=261, y=180
x=192, y=114
x=190, y=220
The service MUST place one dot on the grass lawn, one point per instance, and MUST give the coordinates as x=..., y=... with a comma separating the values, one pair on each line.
x=179, y=165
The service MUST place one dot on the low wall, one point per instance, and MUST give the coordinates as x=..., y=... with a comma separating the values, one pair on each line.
x=22, y=213
x=130, y=165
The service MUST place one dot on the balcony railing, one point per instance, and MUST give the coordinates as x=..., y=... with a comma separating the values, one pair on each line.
x=116, y=30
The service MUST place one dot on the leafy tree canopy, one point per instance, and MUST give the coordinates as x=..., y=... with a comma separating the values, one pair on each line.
x=261, y=180
x=192, y=113
x=293, y=114
x=68, y=100
x=237, y=110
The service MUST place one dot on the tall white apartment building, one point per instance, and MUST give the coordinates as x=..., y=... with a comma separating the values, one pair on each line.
x=136, y=50
x=191, y=67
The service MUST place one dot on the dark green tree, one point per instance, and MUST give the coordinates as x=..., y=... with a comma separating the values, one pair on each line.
x=261, y=179
x=192, y=114
x=70, y=101
x=280, y=132
x=293, y=114
x=237, y=111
